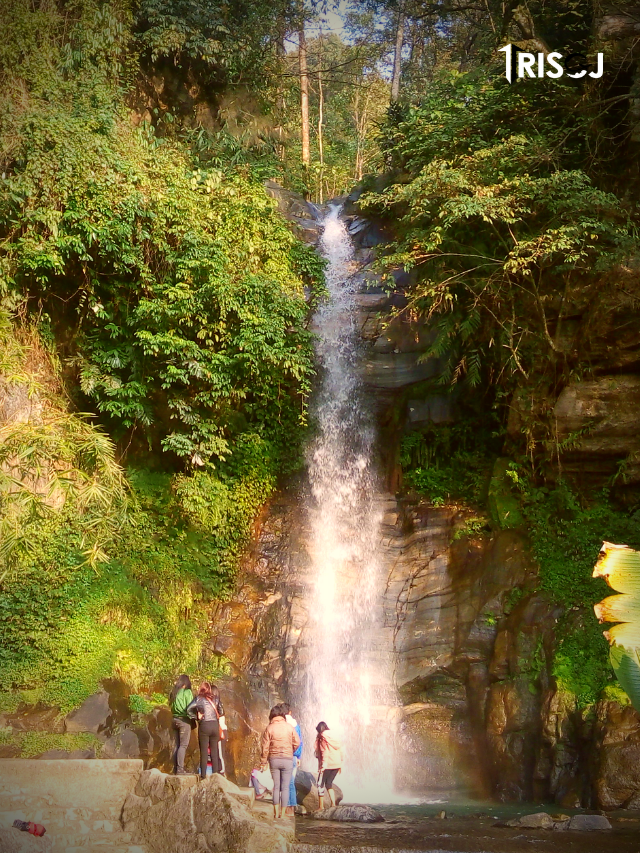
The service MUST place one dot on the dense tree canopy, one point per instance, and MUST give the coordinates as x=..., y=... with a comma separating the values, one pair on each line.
x=154, y=306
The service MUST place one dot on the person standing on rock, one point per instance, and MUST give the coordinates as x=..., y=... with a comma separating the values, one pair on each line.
x=328, y=751
x=209, y=710
x=293, y=799
x=279, y=742
x=180, y=698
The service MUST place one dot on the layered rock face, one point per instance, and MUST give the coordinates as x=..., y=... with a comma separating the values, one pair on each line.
x=478, y=712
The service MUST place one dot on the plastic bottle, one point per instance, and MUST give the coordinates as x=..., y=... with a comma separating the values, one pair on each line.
x=32, y=828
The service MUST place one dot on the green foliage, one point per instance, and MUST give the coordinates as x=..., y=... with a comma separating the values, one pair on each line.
x=354, y=98
x=62, y=461
x=221, y=42
x=143, y=705
x=471, y=527
x=183, y=285
x=142, y=616
x=581, y=661
x=31, y=744
x=499, y=222
x=512, y=598
x=173, y=299
x=566, y=536
x=447, y=462
x=35, y=743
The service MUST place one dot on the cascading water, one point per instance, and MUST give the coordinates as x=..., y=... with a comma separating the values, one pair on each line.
x=348, y=683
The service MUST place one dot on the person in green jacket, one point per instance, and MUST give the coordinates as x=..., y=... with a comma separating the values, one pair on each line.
x=180, y=698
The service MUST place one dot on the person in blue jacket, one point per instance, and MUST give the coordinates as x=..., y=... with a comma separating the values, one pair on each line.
x=293, y=800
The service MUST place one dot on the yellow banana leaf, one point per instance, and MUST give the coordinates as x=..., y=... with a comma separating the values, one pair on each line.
x=618, y=608
x=619, y=565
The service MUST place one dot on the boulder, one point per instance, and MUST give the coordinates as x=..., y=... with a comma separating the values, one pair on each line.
x=589, y=822
x=302, y=214
x=397, y=370
x=92, y=716
x=352, y=813
x=307, y=792
x=598, y=420
x=183, y=814
x=539, y=820
x=122, y=744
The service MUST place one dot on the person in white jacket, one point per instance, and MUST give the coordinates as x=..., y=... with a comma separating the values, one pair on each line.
x=328, y=751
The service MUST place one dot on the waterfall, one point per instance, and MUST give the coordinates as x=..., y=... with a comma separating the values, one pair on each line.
x=348, y=682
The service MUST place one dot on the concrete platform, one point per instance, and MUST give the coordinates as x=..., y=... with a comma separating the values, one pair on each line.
x=79, y=802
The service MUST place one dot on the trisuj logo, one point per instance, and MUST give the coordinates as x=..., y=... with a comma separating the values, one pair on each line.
x=519, y=63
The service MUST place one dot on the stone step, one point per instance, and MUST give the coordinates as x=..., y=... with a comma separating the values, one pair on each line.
x=64, y=841
x=83, y=832
x=118, y=848
x=97, y=785
x=331, y=848
x=62, y=819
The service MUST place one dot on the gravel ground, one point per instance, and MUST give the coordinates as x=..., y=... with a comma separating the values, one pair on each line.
x=463, y=831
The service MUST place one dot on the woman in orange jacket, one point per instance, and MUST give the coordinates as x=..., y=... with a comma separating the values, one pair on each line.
x=279, y=742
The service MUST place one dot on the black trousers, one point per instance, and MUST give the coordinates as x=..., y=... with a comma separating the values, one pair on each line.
x=208, y=736
x=327, y=778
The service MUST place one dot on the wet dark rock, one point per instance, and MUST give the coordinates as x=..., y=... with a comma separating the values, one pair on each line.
x=351, y=201
x=395, y=370
x=540, y=820
x=589, y=822
x=351, y=813
x=59, y=754
x=35, y=718
x=307, y=792
x=302, y=214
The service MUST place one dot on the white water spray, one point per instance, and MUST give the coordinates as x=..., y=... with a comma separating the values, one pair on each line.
x=348, y=683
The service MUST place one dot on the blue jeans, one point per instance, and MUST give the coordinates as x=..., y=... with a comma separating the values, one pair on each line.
x=293, y=797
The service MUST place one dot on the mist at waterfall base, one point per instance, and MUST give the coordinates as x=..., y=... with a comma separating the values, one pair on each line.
x=349, y=681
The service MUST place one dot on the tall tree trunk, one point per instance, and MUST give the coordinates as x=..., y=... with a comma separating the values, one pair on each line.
x=280, y=102
x=304, y=95
x=320, y=119
x=397, y=56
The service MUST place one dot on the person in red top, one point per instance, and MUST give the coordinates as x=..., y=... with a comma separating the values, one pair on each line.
x=328, y=751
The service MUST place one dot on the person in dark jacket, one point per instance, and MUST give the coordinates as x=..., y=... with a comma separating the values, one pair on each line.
x=209, y=710
x=180, y=698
